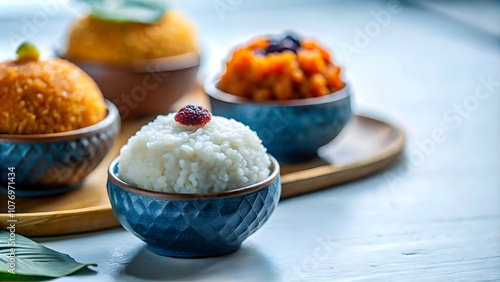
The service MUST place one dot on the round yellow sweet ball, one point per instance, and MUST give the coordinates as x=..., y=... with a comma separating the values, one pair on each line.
x=94, y=39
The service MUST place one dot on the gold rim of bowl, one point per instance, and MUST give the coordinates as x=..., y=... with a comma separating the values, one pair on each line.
x=210, y=87
x=275, y=170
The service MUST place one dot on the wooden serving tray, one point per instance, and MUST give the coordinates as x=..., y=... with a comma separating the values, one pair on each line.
x=366, y=145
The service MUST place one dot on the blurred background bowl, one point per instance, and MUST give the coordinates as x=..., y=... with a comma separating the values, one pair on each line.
x=194, y=225
x=293, y=130
x=51, y=164
x=147, y=87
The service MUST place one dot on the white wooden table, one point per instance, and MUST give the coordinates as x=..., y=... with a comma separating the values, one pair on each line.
x=433, y=217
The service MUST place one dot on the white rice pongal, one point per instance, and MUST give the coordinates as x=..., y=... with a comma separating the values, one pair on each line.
x=166, y=156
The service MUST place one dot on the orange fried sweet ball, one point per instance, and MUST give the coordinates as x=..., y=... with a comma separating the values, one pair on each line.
x=288, y=68
x=46, y=96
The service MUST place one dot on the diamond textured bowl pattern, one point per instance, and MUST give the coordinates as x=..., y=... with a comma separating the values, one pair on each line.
x=194, y=228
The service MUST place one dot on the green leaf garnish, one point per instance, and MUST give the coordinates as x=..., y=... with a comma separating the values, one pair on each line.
x=27, y=51
x=34, y=259
x=138, y=11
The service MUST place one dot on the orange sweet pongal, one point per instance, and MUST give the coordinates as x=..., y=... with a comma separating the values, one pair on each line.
x=48, y=96
x=268, y=69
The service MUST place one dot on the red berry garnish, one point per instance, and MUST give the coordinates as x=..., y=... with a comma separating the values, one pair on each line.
x=193, y=115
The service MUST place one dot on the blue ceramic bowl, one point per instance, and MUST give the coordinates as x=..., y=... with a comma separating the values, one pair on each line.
x=51, y=164
x=293, y=130
x=193, y=225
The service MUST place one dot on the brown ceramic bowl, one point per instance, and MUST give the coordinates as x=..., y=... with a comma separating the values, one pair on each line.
x=39, y=165
x=146, y=87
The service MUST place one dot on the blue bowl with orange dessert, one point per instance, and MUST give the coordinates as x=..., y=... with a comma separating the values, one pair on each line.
x=55, y=126
x=288, y=90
